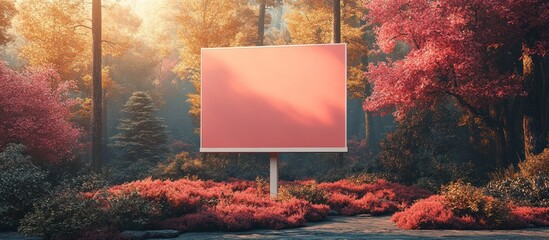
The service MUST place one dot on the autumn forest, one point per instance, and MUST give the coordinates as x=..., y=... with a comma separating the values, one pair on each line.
x=100, y=107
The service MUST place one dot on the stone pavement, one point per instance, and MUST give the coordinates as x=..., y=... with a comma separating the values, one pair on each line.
x=367, y=227
x=358, y=227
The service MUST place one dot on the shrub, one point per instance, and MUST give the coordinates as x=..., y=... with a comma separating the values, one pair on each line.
x=435, y=213
x=308, y=192
x=363, y=178
x=69, y=214
x=536, y=216
x=463, y=206
x=205, y=205
x=218, y=167
x=422, y=150
x=429, y=213
x=129, y=211
x=21, y=184
x=536, y=165
x=179, y=166
x=84, y=181
x=463, y=200
x=529, y=190
x=63, y=215
x=381, y=197
x=198, y=222
x=529, y=186
x=196, y=205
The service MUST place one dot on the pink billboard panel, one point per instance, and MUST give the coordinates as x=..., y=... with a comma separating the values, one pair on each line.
x=274, y=99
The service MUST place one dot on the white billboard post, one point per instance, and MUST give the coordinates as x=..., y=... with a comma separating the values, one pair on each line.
x=274, y=99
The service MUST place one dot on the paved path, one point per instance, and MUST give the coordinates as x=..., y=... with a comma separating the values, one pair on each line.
x=358, y=227
x=367, y=227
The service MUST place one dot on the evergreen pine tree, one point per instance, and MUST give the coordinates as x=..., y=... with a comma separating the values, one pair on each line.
x=141, y=143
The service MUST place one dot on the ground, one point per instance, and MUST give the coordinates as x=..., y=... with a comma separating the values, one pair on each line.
x=367, y=227
x=358, y=227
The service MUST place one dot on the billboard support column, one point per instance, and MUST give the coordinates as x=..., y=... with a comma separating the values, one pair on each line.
x=273, y=175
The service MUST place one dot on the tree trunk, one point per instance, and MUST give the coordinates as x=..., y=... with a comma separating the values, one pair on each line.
x=368, y=120
x=368, y=128
x=496, y=113
x=510, y=132
x=336, y=27
x=501, y=153
x=261, y=24
x=336, y=31
x=97, y=95
x=532, y=81
x=544, y=102
x=104, y=128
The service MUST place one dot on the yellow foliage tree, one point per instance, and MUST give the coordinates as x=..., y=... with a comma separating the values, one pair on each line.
x=310, y=22
x=206, y=24
x=7, y=11
x=57, y=33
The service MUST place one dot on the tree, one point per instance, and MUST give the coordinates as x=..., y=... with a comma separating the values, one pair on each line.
x=262, y=20
x=34, y=114
x=55, y=35
x=312, y=22
x=528, y=21
x=261, y=23
x=7, y=11
x=460, y=50
x=207, y=23
x=142, y=140
x=97, y=89
x=336, y=22
x=58, y=33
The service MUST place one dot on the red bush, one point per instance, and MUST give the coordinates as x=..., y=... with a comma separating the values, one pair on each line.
x=233, y=206
x=536, y=216
x=195, y=205
x=242, y=197
x=378, y=198
x=435, y=213
x=429, y=213
x=200, y=221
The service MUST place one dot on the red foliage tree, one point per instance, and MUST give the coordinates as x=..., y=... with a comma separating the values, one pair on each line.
x=448, y=55
x=466, y=50
x=34, y=114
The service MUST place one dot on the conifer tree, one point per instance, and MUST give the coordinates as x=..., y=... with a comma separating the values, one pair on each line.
x=141, y=142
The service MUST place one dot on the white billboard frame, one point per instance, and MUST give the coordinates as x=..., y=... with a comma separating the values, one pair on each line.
x=276, y=149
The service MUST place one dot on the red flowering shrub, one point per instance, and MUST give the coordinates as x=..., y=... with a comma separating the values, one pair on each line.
x=200, y=221
x=196, y=205
x=233, y=206
x=318, y=212
x=429, y=213
x=536, y=216
x=436, y=212
x=380, y=197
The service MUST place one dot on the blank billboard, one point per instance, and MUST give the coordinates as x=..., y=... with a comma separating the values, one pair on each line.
x=274, y=99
